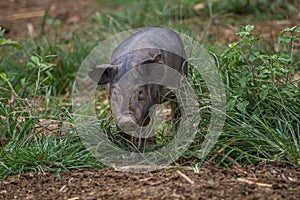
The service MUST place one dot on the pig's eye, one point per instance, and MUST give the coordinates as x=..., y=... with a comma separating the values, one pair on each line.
x=141, y=95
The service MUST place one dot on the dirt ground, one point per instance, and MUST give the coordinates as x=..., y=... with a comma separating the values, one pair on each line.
x=22, y=18
x=279, y=181
x=211, y=182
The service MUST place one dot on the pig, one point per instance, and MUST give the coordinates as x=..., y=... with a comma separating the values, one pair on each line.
x=149, y=45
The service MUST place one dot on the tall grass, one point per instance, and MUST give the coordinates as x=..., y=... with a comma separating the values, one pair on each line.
x=263, y=106
x=263, y=101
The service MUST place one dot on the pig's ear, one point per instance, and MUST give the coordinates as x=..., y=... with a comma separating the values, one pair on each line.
x=157, y=58
x=102, y=73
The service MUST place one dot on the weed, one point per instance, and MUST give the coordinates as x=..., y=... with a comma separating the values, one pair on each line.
x=263, y=104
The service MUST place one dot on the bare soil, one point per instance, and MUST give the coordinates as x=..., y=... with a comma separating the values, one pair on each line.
x=22, y=18
x=277, y=181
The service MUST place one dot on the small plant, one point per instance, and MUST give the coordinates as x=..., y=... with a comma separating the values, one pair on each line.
x=288, y=38
x=263, y=103
x=32, y=122
x=8, y=42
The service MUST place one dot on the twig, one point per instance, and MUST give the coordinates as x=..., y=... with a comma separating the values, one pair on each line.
x=252, y=182
x=74, y=198
x=62, y=188
x=185, y=177
x=25, y=15
x=146, y=179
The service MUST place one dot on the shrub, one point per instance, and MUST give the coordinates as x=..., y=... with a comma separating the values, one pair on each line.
x=263, y=100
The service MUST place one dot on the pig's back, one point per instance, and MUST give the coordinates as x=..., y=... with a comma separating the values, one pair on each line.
x=151, y=38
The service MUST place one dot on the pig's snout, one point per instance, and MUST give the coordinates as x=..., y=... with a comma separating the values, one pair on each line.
x=127, y=124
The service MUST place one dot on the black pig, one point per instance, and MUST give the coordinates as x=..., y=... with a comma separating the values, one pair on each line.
x=150, y=45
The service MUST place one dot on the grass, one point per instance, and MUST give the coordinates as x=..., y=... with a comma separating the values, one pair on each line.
x=263, y=100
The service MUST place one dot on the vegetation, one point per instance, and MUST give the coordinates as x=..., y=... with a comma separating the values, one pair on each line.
x=263, y=97
x=263, y=105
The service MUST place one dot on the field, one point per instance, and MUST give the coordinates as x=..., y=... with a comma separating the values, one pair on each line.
x=255, y=46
